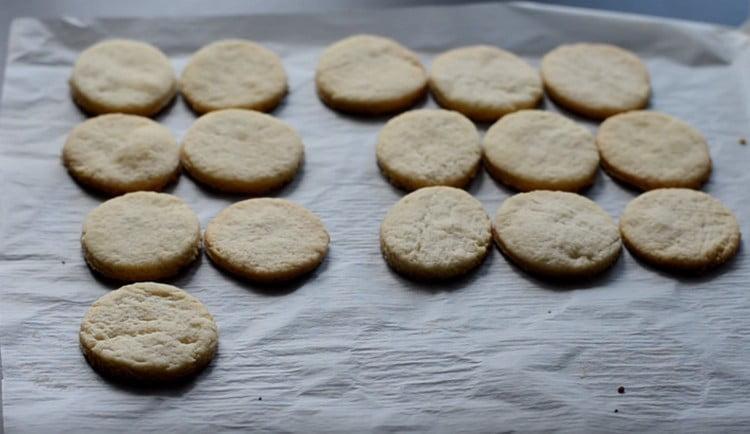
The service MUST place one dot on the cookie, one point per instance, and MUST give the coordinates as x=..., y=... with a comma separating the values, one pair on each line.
x=423, y=148
x=651, y=150
x=141, y=236
x=596, y=80
x=123, y=76
x=369, y=74
x=148, y=332
x=233, y=73
x=556, y=234
x=241, y=151
x=266, y=240
x=435, y=233
x=118, y=153
x=538, y=150
x=680, y=228
x=484, y=82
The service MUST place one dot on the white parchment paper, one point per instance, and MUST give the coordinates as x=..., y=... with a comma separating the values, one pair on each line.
x=356, y=347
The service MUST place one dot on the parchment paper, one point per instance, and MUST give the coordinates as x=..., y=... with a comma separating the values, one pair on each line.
x=356, y=347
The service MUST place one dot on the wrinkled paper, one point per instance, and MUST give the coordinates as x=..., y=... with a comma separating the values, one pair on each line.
x=355, y=347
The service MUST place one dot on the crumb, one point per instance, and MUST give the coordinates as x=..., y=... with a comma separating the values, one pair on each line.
x=260, y=398
x=617, y=411
x=621, y=390
x=63, y=262
x=743, y=141
x=549, y=311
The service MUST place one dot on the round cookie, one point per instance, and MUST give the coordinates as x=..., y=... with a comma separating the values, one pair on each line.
x=435, y=233
x=539, y=150
x=118, y=153
x=423, y=148
x=369, y=74
x=148, y=332
x=653, y=150
x=141, y=236
x=680, y=229
x=484, y=82
x=266, y=240
x=233, y=73
x=123, y=76
x=241, y=151
x=596, y=80
x=556, y=234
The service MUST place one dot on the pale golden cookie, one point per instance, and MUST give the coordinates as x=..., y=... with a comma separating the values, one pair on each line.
x=653, y=150
x=241, y=151
x=679, y=228
x=141, y=236
x=266, y=240
x=538, y=150
x=148, y=332
x=424, y=148
x=435, y=233
x=596, y=80
x=556, y=234
x=123, y=76
x=233, y=73
x=119, y=153
x=484, y=82
x=369, y=74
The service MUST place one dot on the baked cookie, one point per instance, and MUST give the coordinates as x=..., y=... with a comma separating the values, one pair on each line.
x=556, y=234
x=241, y=151
x=141, y=236
x=596, y=80
x=484, y=82
x=539, y=150
x=119, y=153
x=148, y=332
x=680, y=228
x=653, y=150
x=369, y=74
x=233, y=73
x=123, y=76
x=422, y=148
x=435, y=233
x=266, y=240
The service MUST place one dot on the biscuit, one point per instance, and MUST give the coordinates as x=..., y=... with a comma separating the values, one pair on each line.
x=653, y=150
x=233, y=73
x=266, y=240
x=556, y=234
x=241, y=151
x=149, y=332
x=123, y=76
x=596, y=80
x=423, y=148
x=435, y=233
x=484, y=82
x=141, y=236
x=538, y=150
x=118, y=153
x=681, y=229
x=371, y=75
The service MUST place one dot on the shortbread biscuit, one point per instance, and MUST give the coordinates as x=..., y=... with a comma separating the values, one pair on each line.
x=596, y=80
x=119, y=153
x=123, y=76
x=141, y=236
x=435, y=233
x=653, y=150
x=233, y=73
x=484, y=82
x=266, y=240
x=241, y=151
x=369, y=74
x=556, y=234
x=680, y=228
x=423, y=148
x=149, y=332
x=538, y=150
